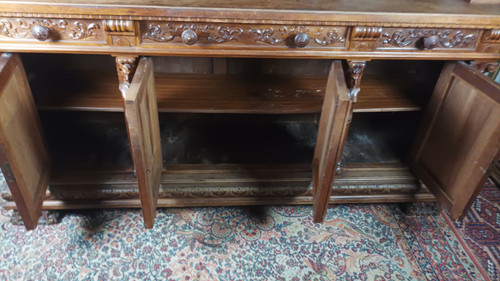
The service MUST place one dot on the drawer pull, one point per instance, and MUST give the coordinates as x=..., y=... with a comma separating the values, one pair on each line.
x=189, y=37
x=301, y=40
x=41, y=33
x=431, y=42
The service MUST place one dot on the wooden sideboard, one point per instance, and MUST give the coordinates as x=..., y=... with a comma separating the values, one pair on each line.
x=146, y=104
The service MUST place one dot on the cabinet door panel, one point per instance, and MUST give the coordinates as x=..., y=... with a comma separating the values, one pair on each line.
x=332, y=133
x=23, y=152
x=459, y=138
x=141, y=115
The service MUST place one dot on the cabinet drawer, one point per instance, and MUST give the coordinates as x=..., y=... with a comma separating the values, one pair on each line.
x=53, y=30
x=215, y=35
x=428, y=39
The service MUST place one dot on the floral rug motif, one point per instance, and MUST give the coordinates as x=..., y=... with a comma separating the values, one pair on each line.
x=356, y=242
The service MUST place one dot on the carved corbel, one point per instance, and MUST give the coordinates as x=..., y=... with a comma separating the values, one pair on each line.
x=364, y=38
x=121, y=33
x=353, y=77
x=489, y=68
x=126, y=65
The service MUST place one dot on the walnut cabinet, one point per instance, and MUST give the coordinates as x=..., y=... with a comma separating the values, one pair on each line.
x=280, y=138
x=148, y=105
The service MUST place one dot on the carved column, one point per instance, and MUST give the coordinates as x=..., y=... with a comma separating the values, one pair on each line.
x=126, y=65
x=364, y=38
x=353, y=76
x=121, y=33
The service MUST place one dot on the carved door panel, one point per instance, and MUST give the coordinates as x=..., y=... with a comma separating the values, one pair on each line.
x=141, y=115
x=334, y=123
x=24, y=156
x=459, y=138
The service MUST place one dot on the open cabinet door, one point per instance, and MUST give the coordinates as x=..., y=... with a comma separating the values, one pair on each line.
x=334, y=123
x=24, y=157
x=141, y=115
x=459, y=137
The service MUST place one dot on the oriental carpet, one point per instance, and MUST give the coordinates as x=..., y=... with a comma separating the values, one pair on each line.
x=357, y=242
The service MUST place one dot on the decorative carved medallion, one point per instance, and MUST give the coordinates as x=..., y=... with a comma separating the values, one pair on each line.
x=321, y=35
x=447, y=38
x=75, y=30
x=213, y=34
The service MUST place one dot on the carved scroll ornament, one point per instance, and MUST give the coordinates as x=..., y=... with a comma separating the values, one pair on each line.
x=213, y=34
x=321, y=35
x=21, y=28
x=447, y=38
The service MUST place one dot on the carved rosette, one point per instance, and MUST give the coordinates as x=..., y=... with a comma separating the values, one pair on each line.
x=322, y=36
x=64, y=29
x=213, y=34
x=446, y=38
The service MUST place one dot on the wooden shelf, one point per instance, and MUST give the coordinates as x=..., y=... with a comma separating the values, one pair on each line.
x=209, y=93
x=239, y=94
x=95, y=92
x=382, y=94
x=202, y=93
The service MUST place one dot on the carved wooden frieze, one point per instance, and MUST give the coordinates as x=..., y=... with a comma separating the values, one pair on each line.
x=244, y=35
x=129, y=191
x=428, y=39
x=210, y=33
x=50, y=29
x=322, y=36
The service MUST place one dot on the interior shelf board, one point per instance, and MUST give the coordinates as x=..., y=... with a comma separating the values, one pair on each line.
x=212, y=93
x=380, y=94
x=216, y=93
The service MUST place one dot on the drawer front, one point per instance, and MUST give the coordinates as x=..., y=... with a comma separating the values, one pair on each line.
x=52, y=30
x=428, y=39
x=154, y=33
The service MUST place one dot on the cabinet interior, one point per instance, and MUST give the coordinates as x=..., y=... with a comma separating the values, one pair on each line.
x=226, y=111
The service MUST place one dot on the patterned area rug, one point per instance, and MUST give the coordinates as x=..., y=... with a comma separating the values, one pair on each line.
x=481, y=229
x=357, y=242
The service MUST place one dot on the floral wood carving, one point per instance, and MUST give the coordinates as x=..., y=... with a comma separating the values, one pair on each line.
x=447, y=38
x=321, y=35
x=213, y=34
x=21, y=28
x=126, y=66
